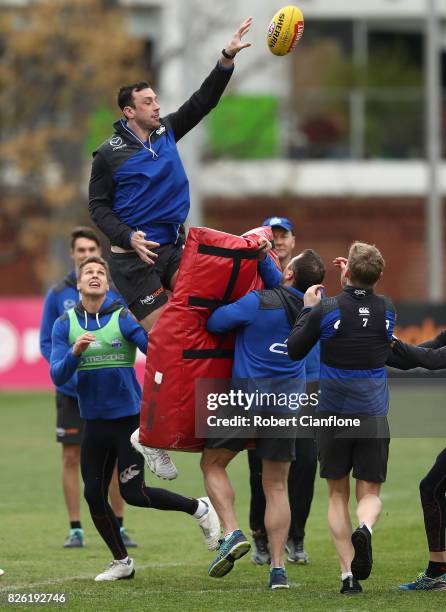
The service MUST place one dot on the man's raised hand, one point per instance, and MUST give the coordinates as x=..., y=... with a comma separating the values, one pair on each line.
x=235, y=44
x=340, y=262
x=313, y=296
x=264, y=246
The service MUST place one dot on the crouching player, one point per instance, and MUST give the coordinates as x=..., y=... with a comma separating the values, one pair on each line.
x=98, y=339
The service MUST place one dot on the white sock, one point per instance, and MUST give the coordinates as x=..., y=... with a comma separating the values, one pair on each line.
x=125, y=560
x=201, y=510
x=228, y=535
x=345, y=575
x=365, y=525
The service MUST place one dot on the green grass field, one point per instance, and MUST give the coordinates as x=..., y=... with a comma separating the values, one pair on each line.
x=171, y=563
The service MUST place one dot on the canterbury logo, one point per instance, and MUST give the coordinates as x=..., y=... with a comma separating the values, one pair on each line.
x=279, y=347
x=128, y=474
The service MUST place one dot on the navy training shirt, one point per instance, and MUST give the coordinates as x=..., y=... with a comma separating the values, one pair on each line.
x=355, y=330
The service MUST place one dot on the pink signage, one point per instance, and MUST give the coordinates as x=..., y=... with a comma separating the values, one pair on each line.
x=21, y=365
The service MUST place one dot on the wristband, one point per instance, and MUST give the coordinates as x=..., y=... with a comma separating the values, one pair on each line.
x=227, y=55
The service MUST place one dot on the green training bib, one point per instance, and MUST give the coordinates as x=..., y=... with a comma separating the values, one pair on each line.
x=109, y=350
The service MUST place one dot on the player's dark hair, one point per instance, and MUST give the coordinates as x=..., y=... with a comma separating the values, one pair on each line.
x=83, y=231
x=365, y=264
x=308, y=269
x=125, y=94
x=94, y=259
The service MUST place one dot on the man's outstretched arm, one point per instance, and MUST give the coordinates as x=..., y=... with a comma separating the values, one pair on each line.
x=211, y=90
x=408, y=356
x=307, y=328
x=436, y=342
x=240, y=313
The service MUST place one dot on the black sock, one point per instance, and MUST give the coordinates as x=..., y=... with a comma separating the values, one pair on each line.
x=75, y=525
x=120, y=521
x=436, y=569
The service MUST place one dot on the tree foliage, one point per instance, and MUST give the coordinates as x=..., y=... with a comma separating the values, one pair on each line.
x=60, y=61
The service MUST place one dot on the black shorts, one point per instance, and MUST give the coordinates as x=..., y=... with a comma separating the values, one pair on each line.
x=69, y=425
x=342, y=450
x=273, y=449
x=142, y=285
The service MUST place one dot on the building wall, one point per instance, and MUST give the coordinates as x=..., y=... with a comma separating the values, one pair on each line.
x=329, y=226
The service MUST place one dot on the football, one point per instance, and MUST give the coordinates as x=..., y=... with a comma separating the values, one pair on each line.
x=285, y=30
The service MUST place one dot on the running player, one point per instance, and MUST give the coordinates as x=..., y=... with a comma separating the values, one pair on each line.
x=98, y=339
x=84, y=242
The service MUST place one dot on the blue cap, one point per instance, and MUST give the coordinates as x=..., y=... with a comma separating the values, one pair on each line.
x=282, y=222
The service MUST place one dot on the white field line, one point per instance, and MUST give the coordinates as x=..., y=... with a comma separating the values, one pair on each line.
x=10, y=588
x=32, y=586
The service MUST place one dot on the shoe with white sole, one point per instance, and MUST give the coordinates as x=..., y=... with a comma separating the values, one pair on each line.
x=117, y=570
x=231, y=548
x=157, y=459
x=209, y=524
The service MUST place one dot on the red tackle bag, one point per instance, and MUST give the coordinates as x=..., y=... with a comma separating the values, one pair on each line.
x=216, y=269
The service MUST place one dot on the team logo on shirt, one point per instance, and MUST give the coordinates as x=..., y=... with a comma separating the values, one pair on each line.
x=359, y=291
x=364, y=310
x=116, y=143
x=69, y=303
x=279, y=347
x=116, y=343
x=160, y=130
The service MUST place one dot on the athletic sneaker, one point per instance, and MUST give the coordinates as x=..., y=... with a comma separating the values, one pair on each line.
x=350, y=586
x=209, y=524
x=157, y=459
x=260, y=552
x=424, y=583
x=278, y=578
x=128, y=542
x=228, y=552
x=75, y=539
x=296, y=551
x=117, y=570
x=362, y=561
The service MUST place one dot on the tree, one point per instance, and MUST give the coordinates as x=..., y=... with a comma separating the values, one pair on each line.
x=60, y=61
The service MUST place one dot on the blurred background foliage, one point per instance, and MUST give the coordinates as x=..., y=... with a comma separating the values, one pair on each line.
x=61, y=64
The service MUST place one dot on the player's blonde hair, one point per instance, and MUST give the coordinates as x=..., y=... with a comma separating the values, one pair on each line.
x=365, y=264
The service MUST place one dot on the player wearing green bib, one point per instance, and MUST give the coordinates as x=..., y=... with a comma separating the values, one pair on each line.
x=98, y=339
